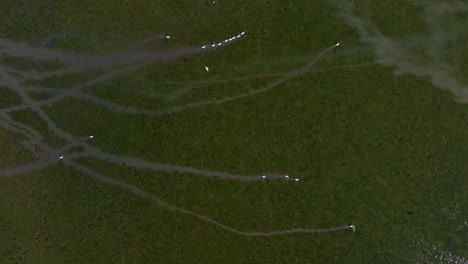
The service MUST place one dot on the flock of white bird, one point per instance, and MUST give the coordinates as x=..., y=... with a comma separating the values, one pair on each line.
x=223, y=42
x=286, y=177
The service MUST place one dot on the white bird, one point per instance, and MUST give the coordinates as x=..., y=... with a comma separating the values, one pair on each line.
x=213, y=45
x=61, y=157
x=337, y=44
x=91, y=136
x=296, y=179
x=206, y=68
x=226, y=40
x=203, y=46
x=219, y=44
x=243, y=32
x=263, y=176
x=353, y=227
x=168, y=37
x=286, y=176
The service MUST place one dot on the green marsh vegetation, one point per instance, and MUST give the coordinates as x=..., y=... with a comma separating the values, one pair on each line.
x=383, y=151
x=13, y=153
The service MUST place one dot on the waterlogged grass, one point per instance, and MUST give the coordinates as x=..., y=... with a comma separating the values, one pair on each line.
x=27, y=64
x=330, y=107
x=117, y=23
x=12, y=152
x=153, y=95
x=66, y=216
x=376, y=173
x=33, y=120
x=454, y=50
x=40, y=95
x=8, y=97
x=384, y=152
x=67, y=80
